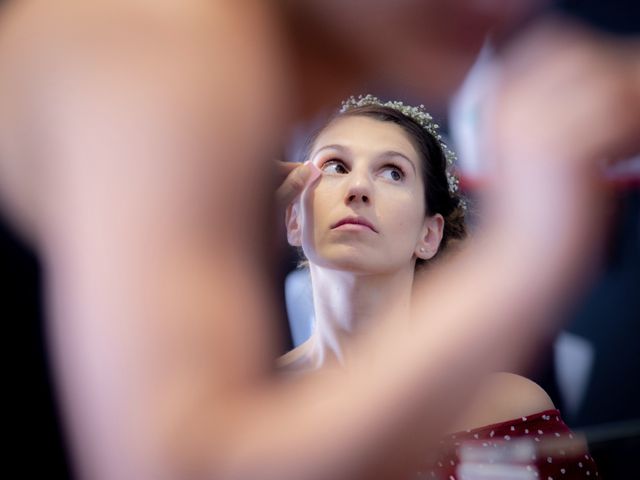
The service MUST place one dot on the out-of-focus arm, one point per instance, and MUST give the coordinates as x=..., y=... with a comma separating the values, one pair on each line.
x=149, y=136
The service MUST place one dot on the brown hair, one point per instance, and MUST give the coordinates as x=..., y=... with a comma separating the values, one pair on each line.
x=438, y=198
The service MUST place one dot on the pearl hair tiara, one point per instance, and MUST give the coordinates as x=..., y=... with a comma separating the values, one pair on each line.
x=420, y=116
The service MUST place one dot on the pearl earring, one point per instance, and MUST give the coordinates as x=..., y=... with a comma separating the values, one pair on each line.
x=422, y=249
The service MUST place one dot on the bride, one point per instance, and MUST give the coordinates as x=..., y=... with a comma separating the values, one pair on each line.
x=386, y=205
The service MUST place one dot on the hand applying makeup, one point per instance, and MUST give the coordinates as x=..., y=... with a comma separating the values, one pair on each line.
x=292, y=178
x=295, y=177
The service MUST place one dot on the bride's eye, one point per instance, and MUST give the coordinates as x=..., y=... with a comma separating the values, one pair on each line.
x=393, y=173
x=334, y=166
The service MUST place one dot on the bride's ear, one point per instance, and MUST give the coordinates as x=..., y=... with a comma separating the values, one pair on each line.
x=292, y=219
x=431, y=236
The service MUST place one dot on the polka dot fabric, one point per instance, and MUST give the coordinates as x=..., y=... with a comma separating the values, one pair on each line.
x=554, y=451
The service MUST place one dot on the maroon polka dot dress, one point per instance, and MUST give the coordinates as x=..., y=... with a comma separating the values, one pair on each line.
x=536, y=447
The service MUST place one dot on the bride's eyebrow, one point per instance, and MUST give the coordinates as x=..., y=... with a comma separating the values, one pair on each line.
x=393, y=153
x=334, y=146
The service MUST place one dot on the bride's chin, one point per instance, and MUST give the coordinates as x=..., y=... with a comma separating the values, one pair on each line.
x=345, y=263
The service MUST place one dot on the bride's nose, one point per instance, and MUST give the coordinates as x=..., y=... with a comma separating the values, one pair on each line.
x=359, y=189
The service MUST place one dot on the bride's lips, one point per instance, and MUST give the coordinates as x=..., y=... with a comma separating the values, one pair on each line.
x=355, y=221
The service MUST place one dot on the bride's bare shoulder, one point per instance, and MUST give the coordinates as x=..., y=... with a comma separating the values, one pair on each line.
x=502, y=397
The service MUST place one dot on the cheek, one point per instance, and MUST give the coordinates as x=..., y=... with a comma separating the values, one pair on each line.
x=403, y=212
x=403, y=221
x=319, y=202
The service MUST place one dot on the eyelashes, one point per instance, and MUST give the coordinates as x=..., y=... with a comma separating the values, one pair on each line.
x=390, y=171
x=396, y=174
x=334, y=166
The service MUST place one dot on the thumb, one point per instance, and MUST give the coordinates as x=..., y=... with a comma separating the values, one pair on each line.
x=295, y=183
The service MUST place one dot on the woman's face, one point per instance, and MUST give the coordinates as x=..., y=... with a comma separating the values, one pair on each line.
x=367, y=212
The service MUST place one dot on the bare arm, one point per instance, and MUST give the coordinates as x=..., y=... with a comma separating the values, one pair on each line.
x=160, y=315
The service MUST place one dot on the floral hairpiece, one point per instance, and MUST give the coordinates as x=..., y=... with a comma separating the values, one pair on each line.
x=421, y=117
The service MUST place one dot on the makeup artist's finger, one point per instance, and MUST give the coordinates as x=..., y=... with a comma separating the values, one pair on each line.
x=295, y=182
x=283, y=169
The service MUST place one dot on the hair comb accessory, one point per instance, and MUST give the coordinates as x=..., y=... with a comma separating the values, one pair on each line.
x=421, y=117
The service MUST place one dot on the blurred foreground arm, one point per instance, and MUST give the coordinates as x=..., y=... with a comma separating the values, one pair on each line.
x=147, y=134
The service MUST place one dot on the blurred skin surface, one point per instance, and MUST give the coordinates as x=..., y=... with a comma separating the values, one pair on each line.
x=423, y=47
x=135, y=140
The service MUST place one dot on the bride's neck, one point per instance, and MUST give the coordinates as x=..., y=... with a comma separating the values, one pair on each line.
x=346, y=304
